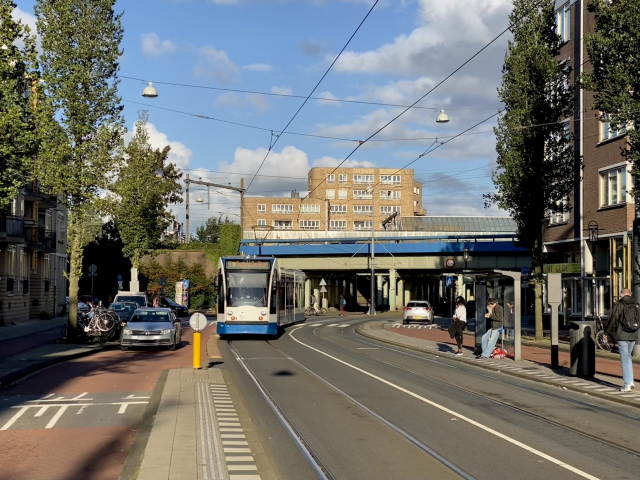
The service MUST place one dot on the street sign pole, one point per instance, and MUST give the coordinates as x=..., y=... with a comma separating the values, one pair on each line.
x=93, y=271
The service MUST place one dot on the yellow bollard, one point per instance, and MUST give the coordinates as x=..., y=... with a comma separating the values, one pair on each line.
x=196, y=350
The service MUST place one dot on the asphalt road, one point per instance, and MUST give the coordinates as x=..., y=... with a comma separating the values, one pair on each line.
x=364, y=409
x=78, y=419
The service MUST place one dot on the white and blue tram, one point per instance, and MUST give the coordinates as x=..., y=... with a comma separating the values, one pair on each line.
x=257, y=296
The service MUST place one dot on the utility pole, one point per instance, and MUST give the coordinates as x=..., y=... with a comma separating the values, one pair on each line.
x=635, y=263
x=188, y=182
x=372, y=306
x=241, y=208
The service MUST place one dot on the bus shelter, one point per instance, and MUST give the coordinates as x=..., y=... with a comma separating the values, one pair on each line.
x=506, y=287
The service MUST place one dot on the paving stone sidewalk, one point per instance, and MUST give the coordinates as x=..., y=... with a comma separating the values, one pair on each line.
x=602, y=386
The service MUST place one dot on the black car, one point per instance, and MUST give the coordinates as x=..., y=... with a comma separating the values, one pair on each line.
x=179, y=310
x=124, y=309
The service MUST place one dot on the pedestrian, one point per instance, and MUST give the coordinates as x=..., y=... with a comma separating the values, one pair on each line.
x=489, y=339
x=314, y=302
x=623, y=327
x=156, y=301
x=459, y=323
x=343, y=303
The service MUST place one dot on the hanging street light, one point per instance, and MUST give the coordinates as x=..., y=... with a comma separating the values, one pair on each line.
x=158, y=173
x=150, y=91
x=442, y=117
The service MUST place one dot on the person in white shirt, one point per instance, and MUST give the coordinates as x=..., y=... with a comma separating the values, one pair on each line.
x=459, y=323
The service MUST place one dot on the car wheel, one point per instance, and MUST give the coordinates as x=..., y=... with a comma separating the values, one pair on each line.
x=404, y=322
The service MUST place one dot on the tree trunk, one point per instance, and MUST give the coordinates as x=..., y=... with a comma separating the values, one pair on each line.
x=76, y=233
x=538, y=292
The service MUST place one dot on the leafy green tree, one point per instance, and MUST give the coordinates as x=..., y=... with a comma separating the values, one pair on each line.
x=614, y=53
x=140, y=198
x=210, y=231
x=536, y=162
x=18, y=75
x=79, y=117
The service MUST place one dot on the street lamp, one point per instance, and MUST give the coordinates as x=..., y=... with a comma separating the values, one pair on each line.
x=442, y=117
x=158, y=173
x=150, y=91
x=593, y=238
x=465, y=254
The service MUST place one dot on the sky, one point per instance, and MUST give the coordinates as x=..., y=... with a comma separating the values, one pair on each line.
x=403, y=49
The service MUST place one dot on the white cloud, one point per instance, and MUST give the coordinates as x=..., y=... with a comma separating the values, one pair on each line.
x=153, y=46
x=329, y=96
x=258, y=67
x=334, y=162
x=281, y=90
x=259, y=102
x=30, y=20
x=215, y=63
x=180, y=155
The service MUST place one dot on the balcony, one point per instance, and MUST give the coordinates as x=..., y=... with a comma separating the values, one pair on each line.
x=37, y=237
x=11, y=226
x=33, y=193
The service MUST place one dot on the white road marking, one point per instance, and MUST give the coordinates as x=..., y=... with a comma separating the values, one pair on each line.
x=226, y=414
x=233, y=435
x=14, y=418
x=131, y=396
x=234, y=442
x=240, y=458
x=57, y=416
x=230, y=424
x=333, y=325
x=81, y=410
x=230, y=429
x=455, y=414
x=343, y=325
x=240, y=468
x=225, y=409
x=245, y=477
x=40, y=412
x=236, y=450
x=82, y=395
x=367, y=348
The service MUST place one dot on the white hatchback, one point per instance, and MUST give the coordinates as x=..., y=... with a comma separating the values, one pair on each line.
x=417, y=311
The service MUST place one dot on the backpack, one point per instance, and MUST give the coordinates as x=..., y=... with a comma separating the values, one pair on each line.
x=630, y=321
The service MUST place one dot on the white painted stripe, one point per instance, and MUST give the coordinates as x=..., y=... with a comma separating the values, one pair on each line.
x=333, y=325
x=227, y=414
x=316, y=325
x=343, y=325
x=226, y=419
x=234, y=442
x=630, y=395
x=236, y=450
x=14, y=418
x=244, y=477
x=57, y=416
x=223, y=409
x=231, y=430
x=453, y=413
x=229, y=424
x=232, y=435
x=240, y=458
x=241, y=468
x=216, y=401
x=40, y=412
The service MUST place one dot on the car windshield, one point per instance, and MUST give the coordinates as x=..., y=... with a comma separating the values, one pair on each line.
x=247, y=288
x=123, y=307
x=171, y=302
x=151, y=317
x=138, y=300
x=418, y=304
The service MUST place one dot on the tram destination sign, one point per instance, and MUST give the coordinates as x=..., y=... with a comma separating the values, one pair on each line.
x=247, y=265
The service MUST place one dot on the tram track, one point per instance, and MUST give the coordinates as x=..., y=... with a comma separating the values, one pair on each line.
x=502, y=403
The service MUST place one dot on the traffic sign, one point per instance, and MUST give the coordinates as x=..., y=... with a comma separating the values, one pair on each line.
x=450, y=263
x=323, y=283
x=162, y=281
x=449, y=282
x=185, y=283
x=119, y=278
x=198, y=321
x=93, y=269
x=525, y=284
x=323, y=289
x=524, y=271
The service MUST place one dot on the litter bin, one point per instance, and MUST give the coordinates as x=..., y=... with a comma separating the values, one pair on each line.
x=583, y=348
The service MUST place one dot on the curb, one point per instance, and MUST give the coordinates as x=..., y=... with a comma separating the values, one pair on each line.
x=11, y=378
x=612, y=398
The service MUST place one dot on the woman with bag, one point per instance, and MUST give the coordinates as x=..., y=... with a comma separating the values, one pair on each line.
x=459, y=323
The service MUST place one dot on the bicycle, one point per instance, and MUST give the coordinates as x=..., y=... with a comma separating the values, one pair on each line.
x=602, y=338
x=312, y=312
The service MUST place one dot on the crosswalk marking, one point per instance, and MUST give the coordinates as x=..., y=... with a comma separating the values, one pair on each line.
x=343, y=325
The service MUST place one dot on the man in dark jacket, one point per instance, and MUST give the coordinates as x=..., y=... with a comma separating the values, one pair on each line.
x=490, y=338
x=626, y=340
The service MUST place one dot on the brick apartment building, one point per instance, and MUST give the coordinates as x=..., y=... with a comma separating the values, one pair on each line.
x=33, y=256
x=338, y=201
x=601, y=195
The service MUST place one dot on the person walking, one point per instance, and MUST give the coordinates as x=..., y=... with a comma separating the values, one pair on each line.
x=343, y=303
x=459, y=323
x=623, y=327
x=489, y=339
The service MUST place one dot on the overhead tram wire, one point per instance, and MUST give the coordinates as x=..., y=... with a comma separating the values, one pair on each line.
x=424, y=96
x=312, y=91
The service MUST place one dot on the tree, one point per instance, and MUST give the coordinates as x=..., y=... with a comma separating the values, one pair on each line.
x=614, y=53
x=210, y=231
x=536, y=163
x=139, y=204
x=79, y=118
x=18, y=75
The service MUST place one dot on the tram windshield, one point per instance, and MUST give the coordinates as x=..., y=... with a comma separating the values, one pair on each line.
x=247, y=288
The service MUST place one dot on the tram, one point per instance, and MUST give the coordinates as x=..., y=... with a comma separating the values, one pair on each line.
x=257, y=296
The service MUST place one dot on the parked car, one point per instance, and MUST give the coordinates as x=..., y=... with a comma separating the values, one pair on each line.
x=418, y=311
x=124, y=309
x=138, y=297
x=179, y=310
x=88, y=300
x=82, y=307
x=152, y=327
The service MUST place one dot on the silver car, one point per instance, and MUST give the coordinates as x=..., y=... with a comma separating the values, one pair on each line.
x=418, y=311
x=152, y=327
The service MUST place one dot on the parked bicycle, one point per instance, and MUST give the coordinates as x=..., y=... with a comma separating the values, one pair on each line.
x=98, y=324
x=602, y=338
x=312, y=311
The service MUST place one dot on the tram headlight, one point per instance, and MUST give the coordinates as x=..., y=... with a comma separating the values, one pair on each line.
x=263, y=313
x=229, y=312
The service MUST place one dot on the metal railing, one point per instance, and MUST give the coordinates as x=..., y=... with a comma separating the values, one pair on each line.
x=11, y=225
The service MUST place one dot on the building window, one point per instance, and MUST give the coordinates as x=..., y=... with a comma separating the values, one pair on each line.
x=416, y=190
x=613, y=186
x=342, y=178
x=362, y=209
x=282, y=208
x=283, y=224
x=390, y=194
x=389, y=209
x=363, y=179
x=262, y=208
x=607, y=132
x=310, y=224
x=11, y=266
x=364, y=225
x=25, y=263
x=362, y=195
x=309, y=209
x=262, y=222
x=558, y=216
x=331, y=194
x=331, y=178
x=338, y=209
x=342, y=194
x=46, y=271
x=563, y=22
x=338, y=225
x=390, y=179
